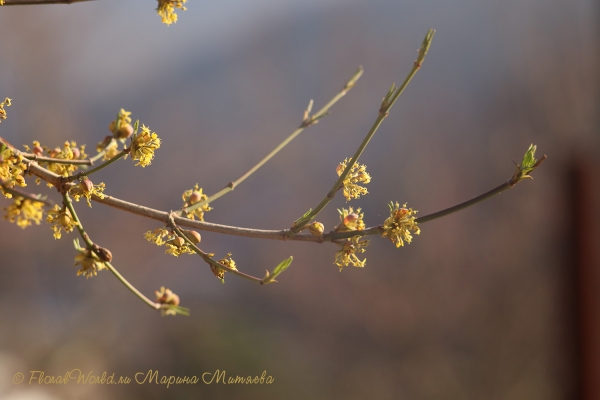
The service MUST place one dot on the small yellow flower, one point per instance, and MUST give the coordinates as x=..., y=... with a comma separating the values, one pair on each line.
x=143, y=146
x=220, y=272
x=166, y=10
x=24, y=211
x=398, y=225
x=78, y=192
x=121, y=127
x=347, y=253
x=112, y=149
x=158, y=236
x=194, y=196
x=166, y=296
x=89, y=262
x=358, y=174
x=11, y=169
x=350, y=220
x=60, y=219
x=70, y=151
x=5, y=103
x=124, y=125
x=176, y=245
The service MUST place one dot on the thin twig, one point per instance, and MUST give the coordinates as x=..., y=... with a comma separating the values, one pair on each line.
x=209, y=259
x=99, y=167
x=25, y=195
x=52, y=160
x=497, y=190
x=386, y=105
x=33, y=2
x=308, y=121
x=93, y=247
x=163, y=216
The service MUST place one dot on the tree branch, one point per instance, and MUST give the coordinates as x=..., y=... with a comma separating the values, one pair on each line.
x=33, y=2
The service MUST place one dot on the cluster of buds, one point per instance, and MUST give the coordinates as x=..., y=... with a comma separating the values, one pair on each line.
x=357, y=174
x=167, y=297
x=121, y=127
x=87, y=189
x=350, y=220
x=24, y=211
x=69, y=151
x=398, y=226
x=11, y=169
x=60, y=218
x=175, y=244
x=5, y=103
x=89, y=263
x=220, y=272
x=346, y=255
x=166, y=10
x=193, y=196
x=143, y=146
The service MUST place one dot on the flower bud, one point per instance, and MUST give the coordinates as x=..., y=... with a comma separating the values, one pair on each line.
x=38, y=151
x=76, y=152
x=55, y=152
x=178, y=241
x=111, y=126
x=65, y=218
x=124, y=131
x=195, y=197
x=86, y=185
x=401, y=212
x=350, y=220
x=316, y=228
x=104, y=254
x=166, y=296
x=173, y=299
x=193, y=236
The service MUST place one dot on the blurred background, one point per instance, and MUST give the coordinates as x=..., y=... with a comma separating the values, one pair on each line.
x=494, y=302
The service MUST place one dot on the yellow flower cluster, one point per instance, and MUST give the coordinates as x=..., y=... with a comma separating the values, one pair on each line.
x=176, y=245
x=24, y=211
x=5, y=103
x=143, y=146
x=194, y=196
x=124, y=129
x=358, y=174
x=166, y=10
x=70, y=151
x=11, y=170
x=347, y=253
x=60, y=218
x=350, y=220
x=112, y=149
x=121, y=129
x=87, y=191
x=220, y=272
x=166, y=296
x=399, y=224
x=89, y=262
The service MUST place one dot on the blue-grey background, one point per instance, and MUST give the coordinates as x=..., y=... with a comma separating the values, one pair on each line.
x=480, y=305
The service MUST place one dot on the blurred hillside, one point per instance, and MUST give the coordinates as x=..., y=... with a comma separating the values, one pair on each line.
x=480, y=305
